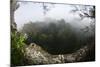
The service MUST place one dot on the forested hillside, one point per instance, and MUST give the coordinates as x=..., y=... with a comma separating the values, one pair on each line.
x=53, y=41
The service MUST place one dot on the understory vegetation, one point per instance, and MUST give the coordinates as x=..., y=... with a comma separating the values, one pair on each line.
x=17, y=48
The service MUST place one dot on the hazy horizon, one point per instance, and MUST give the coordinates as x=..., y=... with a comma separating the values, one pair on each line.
x=31, y=11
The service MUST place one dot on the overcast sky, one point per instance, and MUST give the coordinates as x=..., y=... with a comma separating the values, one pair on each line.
x=34, y=12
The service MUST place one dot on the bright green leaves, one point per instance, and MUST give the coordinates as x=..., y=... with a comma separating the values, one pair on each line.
x=17, y=48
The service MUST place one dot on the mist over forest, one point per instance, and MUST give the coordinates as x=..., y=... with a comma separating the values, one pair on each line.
x=57, y=36
x=46, y=33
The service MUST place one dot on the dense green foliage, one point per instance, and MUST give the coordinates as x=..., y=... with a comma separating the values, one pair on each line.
x=55, y=37
x=17, y=48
